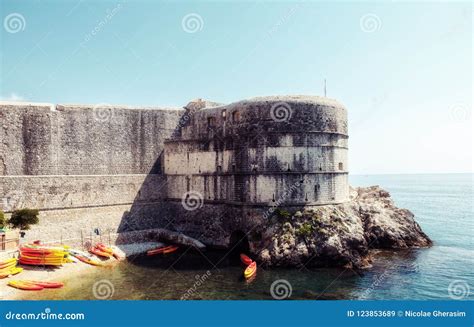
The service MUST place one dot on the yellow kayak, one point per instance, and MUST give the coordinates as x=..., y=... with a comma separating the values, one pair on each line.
x=7, y=263
x=22, y=285
x=12, y=271
x=251, y=270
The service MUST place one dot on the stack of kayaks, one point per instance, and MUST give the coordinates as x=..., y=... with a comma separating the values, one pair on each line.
x=31, y=285
x=163, y=250
x=42, y=255
x=102, y=251
x=251, y=269
x=8, y=267
x=85, y=257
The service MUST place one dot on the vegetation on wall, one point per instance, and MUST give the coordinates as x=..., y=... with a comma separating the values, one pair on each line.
x=2, y=219
x=23, y=218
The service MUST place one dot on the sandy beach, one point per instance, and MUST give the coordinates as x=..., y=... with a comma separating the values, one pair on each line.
x=64, y=272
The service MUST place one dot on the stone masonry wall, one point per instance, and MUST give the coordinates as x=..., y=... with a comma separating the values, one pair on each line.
x=84, y=167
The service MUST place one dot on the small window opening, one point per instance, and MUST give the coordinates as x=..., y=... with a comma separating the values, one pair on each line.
x=235, y=116
x=316, y=191
x=211, y=121
x=341, y=166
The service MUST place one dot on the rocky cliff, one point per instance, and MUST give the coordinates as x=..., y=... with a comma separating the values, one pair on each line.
x=340, y=235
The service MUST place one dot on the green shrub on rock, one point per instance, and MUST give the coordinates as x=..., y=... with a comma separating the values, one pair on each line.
x=23, y=218
x=306, y=229
x=282, y=215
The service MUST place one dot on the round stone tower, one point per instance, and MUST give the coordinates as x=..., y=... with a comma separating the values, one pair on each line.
x=266, y=151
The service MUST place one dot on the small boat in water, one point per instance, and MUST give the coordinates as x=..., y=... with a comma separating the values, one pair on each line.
x=245, y=259
x=171, y=249
x=251, y=270
x=163, y=249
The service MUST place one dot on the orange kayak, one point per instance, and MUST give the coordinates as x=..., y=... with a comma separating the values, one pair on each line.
x=159, y=250
x=100, y=253
x=251, y=270
x=104, y=248
x=171, y=249
x=245, y=259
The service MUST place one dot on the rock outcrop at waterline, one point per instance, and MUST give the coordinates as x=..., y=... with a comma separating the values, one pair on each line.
x=340, y=235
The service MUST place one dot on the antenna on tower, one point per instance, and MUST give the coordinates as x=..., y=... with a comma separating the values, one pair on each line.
x=325, y=93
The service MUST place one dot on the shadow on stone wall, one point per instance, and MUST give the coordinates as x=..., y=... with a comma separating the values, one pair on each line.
x=148, y=209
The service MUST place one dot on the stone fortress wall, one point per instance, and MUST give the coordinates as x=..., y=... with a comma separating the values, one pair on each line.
x=122, y=168
x=82, y=166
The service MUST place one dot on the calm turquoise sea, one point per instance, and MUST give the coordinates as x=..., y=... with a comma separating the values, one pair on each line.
x=442, y=205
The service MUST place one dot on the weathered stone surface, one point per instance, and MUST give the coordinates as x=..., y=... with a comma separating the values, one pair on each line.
x=340, y=235
x=254, y=151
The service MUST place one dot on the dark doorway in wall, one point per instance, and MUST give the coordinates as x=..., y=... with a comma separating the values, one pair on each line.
x=238, y=244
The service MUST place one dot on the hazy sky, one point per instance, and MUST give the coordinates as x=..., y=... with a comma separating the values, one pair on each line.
x=403, y=70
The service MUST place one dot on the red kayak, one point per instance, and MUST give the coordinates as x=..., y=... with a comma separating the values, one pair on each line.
x=159, y=250
x=245, y=259
x=46, y=284
x=33, y=251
